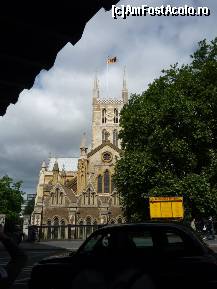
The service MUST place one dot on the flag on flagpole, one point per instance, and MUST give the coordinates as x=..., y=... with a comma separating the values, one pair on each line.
x=111, y=60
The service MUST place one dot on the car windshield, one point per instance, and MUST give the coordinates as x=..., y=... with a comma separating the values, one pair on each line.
x=101, y=242
x=90, y=244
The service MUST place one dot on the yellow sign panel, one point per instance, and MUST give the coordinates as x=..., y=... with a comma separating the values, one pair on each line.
x=166, y=207
x=177, y=209
x=156, y=210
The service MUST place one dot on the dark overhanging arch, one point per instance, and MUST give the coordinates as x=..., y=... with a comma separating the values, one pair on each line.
x=32, y=33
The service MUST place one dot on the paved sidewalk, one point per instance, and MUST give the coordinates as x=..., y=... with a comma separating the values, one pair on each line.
x=64, y=244
x=71, y=245
x=212, y=242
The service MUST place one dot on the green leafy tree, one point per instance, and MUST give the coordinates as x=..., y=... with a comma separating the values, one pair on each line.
x=29, y=207
x=10, y=198
x=169, y=139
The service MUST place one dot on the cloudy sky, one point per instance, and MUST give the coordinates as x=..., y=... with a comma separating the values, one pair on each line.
x=50, y=118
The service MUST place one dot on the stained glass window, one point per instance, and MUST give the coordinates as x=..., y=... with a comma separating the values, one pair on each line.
x=99, y=185
x=106, y=182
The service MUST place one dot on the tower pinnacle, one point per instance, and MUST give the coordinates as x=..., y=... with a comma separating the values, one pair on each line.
x=43, y=166
x=83, y=146
x=95, y=88
x=56, y=166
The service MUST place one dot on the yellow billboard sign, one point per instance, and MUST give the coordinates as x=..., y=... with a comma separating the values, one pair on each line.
x=166, y=207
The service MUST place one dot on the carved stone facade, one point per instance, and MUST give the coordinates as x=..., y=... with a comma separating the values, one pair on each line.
x=80, y=190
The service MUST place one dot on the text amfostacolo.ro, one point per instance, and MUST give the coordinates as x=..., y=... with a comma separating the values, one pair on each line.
x=164, y=10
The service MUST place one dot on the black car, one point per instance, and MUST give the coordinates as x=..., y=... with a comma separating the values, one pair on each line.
x=147, y=255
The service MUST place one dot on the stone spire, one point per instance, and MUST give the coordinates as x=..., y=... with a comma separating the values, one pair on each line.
x=56, y=166
x=63, y=173
x=55, y=172
x=83, y=146
x=43, y=166
x=95, y=89
x=124, y=89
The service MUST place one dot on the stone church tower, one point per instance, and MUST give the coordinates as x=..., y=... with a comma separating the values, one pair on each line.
x=81, y=190
x=105, y=115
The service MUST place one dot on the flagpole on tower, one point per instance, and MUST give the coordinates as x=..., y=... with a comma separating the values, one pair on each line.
x=109, y=61
x=107, y=75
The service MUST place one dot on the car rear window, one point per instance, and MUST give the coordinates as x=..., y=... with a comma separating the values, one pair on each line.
x=135, y=239
x=142, y=239
x=174, y=243
x=173, y=238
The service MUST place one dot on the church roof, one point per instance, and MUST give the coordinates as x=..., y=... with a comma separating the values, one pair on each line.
x=72, y=184
x=68, y=164
x=105, y=143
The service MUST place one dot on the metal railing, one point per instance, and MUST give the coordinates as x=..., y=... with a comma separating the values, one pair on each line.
x=61, y=232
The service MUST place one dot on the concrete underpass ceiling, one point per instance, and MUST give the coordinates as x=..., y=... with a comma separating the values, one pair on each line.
x=32, y=33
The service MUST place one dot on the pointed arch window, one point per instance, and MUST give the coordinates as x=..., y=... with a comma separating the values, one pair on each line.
x=84, y=197
x=99, y=184
x=57, y=196
x=56, y=221
x=106, y=182
x=115, y=115
x=93, y=198
x=52, y=198
x=104, y=135
x=112, y=184
x=61, y=198
x=88, y=196
x=115, y=137
x=104, y=115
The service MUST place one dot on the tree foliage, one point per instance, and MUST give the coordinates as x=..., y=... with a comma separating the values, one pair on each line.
x=10, y=198
x=169, y=138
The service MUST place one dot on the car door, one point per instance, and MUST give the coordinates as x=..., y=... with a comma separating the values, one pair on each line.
x=182, y=262
x=136, y=252
x=99, y=251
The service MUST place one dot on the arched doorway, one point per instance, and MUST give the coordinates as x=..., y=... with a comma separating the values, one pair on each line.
x=55, y=228
x=48, y=229
x=88, y=227
x=112, y=221
x=81, y=230
x=62, y=229
x=119, y=220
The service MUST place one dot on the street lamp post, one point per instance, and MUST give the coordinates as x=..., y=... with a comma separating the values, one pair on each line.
x=76, y=215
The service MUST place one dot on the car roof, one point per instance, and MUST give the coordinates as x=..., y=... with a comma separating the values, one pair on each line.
x=150, y=225
x=154, y=224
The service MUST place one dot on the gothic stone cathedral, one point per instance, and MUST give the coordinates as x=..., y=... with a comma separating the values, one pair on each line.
x=80, y=190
